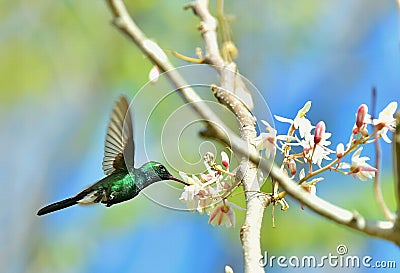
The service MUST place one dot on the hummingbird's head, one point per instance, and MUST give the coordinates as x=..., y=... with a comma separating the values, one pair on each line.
x=162, y=173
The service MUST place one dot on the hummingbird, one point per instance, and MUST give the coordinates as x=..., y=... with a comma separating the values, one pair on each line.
x=123, y=181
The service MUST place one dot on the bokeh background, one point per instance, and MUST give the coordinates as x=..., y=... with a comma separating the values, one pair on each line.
x=62, y=66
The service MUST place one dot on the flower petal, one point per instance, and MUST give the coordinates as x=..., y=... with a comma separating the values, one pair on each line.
x=282, y=119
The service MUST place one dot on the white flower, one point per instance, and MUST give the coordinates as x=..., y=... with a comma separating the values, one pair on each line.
x=267, y=141
x=317, y=152
x=359, y=167
x=320, y=153
x=302, y=113
x=188, y=195
x=305, y=127
x=300, y=121
x=197, y=196
x=386, y=121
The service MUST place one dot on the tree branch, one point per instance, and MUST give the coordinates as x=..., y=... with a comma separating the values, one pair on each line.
x=230, y=78
x=207, y=28
x=247, y=174
x=247, y=171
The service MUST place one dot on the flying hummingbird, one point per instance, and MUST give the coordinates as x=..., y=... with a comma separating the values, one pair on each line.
x=123, y=181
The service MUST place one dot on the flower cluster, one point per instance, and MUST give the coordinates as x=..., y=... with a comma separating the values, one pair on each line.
x=208, y=191
x=306, y=144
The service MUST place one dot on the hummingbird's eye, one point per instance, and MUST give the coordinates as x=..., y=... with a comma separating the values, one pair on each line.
x=159, y=168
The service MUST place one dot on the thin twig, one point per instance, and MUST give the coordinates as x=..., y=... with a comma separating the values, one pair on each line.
x=378, y=158
x=396, y=157
x=396, y=167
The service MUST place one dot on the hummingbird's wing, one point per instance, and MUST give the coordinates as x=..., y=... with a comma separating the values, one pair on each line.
x=119, y=147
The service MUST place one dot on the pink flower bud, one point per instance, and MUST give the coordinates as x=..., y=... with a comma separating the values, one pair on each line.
x=225, y=160
x=340, y=150
x=361, y=115
x=319, y=132
x=292, y=167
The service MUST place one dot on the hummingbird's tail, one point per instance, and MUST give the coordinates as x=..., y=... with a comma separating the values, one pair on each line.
x=59, y=205
x=87, y=196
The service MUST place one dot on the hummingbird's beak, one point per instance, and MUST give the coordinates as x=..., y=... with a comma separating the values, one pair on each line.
x=178, y=180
